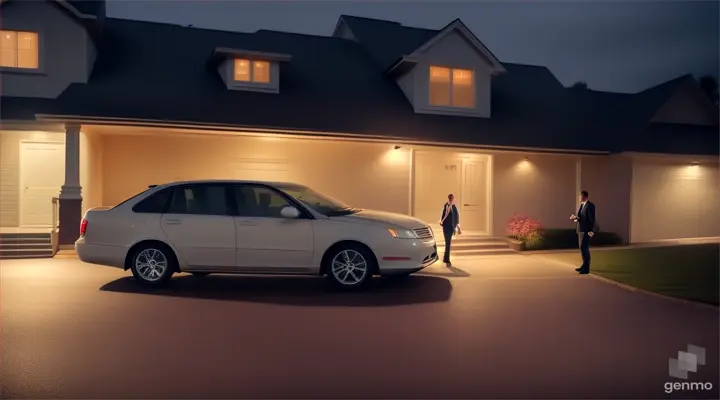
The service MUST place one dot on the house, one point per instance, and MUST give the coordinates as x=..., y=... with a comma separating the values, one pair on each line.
x=380, y=115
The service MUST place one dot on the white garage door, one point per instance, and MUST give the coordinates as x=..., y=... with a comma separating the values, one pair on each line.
x=673, y=201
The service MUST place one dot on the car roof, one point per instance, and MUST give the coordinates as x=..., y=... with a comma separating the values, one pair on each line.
x=234, y=181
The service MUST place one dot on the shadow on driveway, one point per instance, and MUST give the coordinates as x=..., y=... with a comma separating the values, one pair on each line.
x=299, y=291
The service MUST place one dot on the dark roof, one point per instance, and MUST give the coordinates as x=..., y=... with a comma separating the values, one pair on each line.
x=89, y=7
x=158, y=71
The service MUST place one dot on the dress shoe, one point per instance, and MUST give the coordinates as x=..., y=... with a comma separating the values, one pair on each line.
x=578, y=269
x=584, y=271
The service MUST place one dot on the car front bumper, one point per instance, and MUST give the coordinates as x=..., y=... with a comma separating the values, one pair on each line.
x=407, y=255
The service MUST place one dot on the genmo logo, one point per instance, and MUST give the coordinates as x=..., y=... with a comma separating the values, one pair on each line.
x=687, y=386
x=686, y=362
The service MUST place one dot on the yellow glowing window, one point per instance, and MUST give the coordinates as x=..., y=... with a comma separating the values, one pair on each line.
x=252, y=71
x=19, y=49
x=451, y=87
x=261, y=71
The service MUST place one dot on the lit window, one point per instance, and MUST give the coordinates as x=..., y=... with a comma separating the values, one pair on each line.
x=18, y=49
x=252, y=71
x=452, y=87
x=242, y=70
x=261, y=71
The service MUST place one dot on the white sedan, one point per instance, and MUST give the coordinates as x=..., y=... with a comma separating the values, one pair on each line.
x=243, y=227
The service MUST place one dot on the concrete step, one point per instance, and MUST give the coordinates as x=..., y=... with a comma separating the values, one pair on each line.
x=475, y=245
x=66, y=254
x=474, y=253
x=25, y=246
x=27, y=253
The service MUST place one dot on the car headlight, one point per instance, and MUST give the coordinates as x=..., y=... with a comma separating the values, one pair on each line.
x=402, y=233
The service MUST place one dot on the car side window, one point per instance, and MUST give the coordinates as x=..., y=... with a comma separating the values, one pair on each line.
x=153, y=204
x=199, y=200
x=259, y=201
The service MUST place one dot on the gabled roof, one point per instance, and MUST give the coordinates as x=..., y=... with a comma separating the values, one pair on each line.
x=86, y=10
x=455, y=26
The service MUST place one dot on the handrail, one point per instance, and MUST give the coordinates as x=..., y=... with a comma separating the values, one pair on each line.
x=54, y=233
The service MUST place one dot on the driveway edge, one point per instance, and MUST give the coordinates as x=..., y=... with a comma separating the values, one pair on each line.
x=633, y=288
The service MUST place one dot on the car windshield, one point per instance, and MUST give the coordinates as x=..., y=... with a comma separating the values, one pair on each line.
x=319, y=202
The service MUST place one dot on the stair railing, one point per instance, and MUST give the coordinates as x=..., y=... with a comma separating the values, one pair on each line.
x=54, y=233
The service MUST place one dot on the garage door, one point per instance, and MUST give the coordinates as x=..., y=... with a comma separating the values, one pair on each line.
x=673, y=201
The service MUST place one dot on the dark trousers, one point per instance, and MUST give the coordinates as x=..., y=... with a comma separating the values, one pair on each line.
x=448, y=238
x=584, y=242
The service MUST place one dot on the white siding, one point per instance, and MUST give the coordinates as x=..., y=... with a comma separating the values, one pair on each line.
x=608, y=180
x=672, y=200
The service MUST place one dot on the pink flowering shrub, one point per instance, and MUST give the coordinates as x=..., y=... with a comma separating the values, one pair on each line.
x=524, y=228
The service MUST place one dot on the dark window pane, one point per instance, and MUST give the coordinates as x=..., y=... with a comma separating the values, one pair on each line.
x=256, y=201
x=199, y=200
x=154, y=204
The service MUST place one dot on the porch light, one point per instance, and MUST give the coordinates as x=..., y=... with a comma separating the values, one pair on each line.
x=694, y=164
x=397, y=148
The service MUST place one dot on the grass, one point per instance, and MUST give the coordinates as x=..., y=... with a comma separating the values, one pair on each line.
x=690, y=272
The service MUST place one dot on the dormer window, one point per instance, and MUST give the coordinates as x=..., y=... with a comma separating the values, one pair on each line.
x=451, y=87
x=256, y=71
x=19, y=49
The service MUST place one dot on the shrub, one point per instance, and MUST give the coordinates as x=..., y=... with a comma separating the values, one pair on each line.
x=524, y=229
x=556, y=239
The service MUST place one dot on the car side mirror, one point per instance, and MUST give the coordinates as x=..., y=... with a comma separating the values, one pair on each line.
x=290, y=212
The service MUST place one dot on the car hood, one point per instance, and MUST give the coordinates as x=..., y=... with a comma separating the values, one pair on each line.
x=403, y=221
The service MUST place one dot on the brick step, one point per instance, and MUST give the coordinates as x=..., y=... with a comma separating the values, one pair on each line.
x=11, y=236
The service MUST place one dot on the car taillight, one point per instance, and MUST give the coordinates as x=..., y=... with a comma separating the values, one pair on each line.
x=83, y=227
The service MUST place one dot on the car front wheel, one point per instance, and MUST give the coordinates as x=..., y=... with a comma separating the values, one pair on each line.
x=351, y=267
x=153, y=265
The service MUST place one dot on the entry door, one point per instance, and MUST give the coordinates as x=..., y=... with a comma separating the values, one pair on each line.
x=435, y=176
x=42, y=173
x=474, y=196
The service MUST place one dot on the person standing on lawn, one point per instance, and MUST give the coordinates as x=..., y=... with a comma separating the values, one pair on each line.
x=450, y=222
x=585, y=220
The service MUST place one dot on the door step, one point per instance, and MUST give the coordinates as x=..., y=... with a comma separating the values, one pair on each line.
x=475, y=246
x=25, y=245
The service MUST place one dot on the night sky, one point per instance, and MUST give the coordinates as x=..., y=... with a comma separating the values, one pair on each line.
x=611, y=45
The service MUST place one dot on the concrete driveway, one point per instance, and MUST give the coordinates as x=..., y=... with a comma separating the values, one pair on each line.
x=496, y=327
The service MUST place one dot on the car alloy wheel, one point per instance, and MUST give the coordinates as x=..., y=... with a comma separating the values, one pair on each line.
x=151, y=265
x=349, y=267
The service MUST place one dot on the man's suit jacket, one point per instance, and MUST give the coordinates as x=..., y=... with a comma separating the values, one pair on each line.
x=586, y=218
x=451, y=220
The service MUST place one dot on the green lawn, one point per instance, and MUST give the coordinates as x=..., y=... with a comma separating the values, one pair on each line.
x=688, y=272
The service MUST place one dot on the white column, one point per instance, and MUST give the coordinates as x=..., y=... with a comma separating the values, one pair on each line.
x=71, y=189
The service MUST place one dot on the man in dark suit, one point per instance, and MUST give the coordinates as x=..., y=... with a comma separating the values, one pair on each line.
x=585, y=220
x=449, y=220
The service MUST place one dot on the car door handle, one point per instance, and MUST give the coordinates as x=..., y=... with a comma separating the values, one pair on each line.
x=173, y=222
x=246, y=223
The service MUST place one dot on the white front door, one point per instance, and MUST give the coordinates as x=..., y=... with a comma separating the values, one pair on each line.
x=473, y=210
x=42, y=173
x=435, y=176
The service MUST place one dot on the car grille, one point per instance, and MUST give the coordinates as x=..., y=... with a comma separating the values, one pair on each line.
x=423, y=233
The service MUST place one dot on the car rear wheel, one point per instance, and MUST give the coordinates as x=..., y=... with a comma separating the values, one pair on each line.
x=350, y=267
x=153, y=265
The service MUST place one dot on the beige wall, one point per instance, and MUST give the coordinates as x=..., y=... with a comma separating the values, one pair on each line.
x=10, y=170
x=542, y=187
x=672, y=199
x=362, y=174
x=608, y=180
